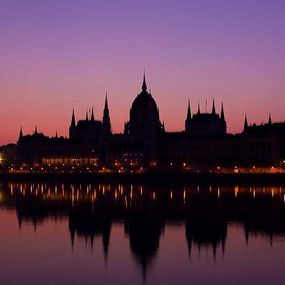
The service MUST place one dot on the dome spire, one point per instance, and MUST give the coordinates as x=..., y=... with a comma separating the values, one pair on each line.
x=144, y=87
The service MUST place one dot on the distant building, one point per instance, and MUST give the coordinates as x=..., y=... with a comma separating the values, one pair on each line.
x=205, y=124
x=203, y=144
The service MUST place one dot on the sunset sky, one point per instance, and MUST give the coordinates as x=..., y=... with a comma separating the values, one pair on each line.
x=60, y=54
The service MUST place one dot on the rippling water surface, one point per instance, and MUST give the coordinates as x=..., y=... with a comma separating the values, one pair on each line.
x=54, y=233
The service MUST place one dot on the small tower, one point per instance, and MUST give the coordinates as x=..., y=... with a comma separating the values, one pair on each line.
x=213, y=108
x=269, y=120
x=92, y=115
x=222, y=113
x=224, y=123
x=86, y=117
x=20, y=134
x=245, y=125
x=198, y=109
x=188, y=118
x=106, y=119
x=72, y=127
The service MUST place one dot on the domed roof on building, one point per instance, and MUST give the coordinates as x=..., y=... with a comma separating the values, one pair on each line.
x=144, y=116
x=144, y=102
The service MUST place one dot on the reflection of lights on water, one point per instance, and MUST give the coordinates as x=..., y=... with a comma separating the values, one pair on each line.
x=236, y=191
x=171, y=195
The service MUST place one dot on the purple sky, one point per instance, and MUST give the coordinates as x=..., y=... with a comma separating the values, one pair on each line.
x=60, y=54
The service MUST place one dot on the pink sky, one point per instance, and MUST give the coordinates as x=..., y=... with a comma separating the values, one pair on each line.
x=56, y=55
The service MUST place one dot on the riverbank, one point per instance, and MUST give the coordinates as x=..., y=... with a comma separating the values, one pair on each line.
x=152, y=178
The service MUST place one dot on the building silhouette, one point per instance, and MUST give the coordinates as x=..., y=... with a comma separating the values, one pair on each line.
x=203, y=144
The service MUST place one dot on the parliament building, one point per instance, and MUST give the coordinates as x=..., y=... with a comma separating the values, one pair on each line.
x=204, y=143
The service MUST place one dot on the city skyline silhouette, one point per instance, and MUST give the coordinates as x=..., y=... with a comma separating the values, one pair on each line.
x=59, y=55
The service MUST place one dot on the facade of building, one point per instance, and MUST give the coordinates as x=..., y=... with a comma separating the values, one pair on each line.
x=204, y=143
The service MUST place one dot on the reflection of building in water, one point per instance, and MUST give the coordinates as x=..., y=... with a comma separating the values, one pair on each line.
x=144, y=227
x=88, y=223
x=206, y=226
x=203, y=144
x=92, y=209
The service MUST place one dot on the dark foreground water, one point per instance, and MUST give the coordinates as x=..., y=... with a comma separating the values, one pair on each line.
x=132, y=234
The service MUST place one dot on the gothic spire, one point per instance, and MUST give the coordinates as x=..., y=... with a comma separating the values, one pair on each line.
x=222, y=113
x=106, y=118
x=36, y=130
x=245, y=126
x=92, y=115
x=188, y=111
x=269, y=120
x=86, y=117
x=106, y=103
x=72, y=119
x=213, y=107
x=21, y=133
x=188, y=118
x=144, y=87
x=198, y=108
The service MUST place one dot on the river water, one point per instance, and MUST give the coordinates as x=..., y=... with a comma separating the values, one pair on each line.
x=63, y=233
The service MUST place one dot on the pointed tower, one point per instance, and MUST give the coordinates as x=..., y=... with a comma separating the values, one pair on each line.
x=213, y=108
x=72, y=125
x=188, y=118
x=86, y=117
x=223, y=120
x=222, y=113
x=106, y=119
x=72, y=128
x=92, y=115
x=245, y=125
x=20, y=134
x=36, y=130
x=198, y=108
x=269, y=120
